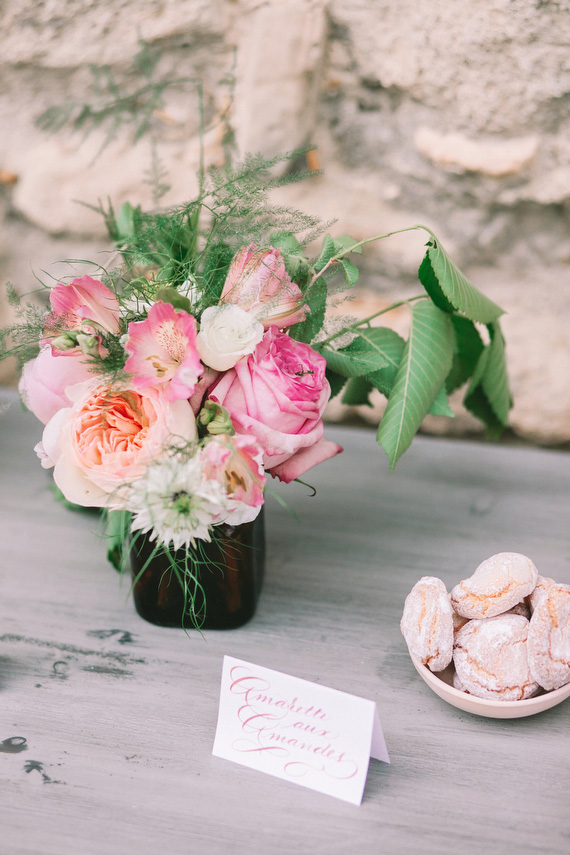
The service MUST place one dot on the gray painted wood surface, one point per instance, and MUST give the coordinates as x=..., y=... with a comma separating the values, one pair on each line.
x=119, y=716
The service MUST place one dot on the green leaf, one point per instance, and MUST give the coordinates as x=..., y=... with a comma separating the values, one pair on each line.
x=175, y=298
x=350, y=271
x=425, y=365
x=450, y=289
x=391, y=346
x=357, y=359
x=327, y=252
x=290, y=247
x=356, y=392
x=347, y=242
x=440, y=406
x=125, y=222
x=467, y=348
x=488, y=396
x=336, y=382
x=118, y=526
x=316, y=299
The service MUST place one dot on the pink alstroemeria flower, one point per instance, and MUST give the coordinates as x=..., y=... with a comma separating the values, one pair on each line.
x=82, y=303
x=258, y=282
x=236, y=462
x=162, y=352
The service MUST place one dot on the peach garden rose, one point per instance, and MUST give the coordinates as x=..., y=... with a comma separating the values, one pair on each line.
x=107, y=437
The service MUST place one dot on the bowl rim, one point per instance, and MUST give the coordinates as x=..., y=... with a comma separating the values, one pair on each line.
x=449, y=693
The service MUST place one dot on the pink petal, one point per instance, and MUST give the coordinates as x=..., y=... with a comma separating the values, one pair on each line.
x=162, y=351
x=305, y=459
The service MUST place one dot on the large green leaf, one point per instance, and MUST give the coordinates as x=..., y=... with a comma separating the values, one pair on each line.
x=391, y=346
x=336, y=382
x=356, y=392
x=440, y=405
x=450, y=289
x=467, y=348
x=488, y=396
x=357, y=359
x=425, y=364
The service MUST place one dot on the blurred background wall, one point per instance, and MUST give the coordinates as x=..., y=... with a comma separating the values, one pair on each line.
x=453, y=114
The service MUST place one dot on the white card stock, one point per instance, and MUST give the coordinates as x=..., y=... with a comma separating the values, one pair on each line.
x=296, y=730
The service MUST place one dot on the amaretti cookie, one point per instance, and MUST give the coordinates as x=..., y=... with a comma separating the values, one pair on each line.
x=490, y=658
x=549, y=638
x=498, y=584
x=427, y=623
x=543, y=583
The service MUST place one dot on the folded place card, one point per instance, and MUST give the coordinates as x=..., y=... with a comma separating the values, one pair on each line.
x=296, y=730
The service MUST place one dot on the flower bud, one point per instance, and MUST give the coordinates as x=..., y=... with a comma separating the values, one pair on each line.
x=215, y=419
x=258, y=282
x=65, y=341
x=89, y=344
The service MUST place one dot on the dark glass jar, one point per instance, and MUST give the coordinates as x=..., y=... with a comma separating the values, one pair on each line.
x=224, y=585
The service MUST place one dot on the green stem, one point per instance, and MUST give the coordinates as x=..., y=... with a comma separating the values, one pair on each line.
x=377, y=314
x=346, y=251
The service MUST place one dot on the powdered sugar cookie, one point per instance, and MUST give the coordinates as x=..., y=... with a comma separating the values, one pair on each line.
x=520, y=609
x=543, y=583
x=457, y=684
x=427, y=623
x=491, y=660
x=458, y=620
x=549, y=638
x=498, y=584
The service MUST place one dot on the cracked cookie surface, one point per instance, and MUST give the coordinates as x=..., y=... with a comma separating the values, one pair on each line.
x=549, y=638
x=499, y=583
x=427, y=623
x=491, y=660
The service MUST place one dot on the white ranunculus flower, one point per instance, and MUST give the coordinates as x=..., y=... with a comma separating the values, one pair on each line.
x=226, y=334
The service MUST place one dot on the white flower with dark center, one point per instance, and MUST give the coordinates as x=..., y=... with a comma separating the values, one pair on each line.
x=175, y=503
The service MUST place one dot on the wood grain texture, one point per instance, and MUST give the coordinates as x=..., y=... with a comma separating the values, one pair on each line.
x=119, y=716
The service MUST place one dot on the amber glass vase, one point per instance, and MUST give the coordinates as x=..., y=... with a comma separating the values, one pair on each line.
x=224, y=585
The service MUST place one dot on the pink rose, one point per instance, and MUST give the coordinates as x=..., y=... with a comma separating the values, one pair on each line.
x=278, y=394
x=45, y=379
x=236, y=463
x=84, y=304
x=162, y=352
x=107, y=438
x=258, y=283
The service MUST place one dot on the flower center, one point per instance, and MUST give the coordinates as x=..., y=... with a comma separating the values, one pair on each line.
x=182, y=503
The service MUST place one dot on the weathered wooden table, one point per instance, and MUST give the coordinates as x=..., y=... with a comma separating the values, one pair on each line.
x=119, y=716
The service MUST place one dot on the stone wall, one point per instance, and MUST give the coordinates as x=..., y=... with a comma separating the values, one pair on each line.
x=456, y=115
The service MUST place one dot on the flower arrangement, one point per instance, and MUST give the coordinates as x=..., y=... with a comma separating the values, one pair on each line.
x=174, y=385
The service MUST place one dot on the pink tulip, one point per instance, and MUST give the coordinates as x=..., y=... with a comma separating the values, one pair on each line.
x=258, y=282
x=162, y=352
x=278, y=394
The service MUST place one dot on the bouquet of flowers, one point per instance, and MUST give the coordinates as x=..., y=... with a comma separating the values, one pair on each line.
x=173, y=385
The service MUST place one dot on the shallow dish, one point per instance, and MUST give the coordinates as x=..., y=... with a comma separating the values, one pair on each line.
x=441, y=684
